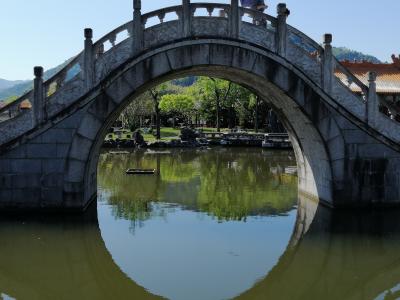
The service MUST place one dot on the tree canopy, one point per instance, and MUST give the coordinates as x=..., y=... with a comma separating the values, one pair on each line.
x=214, y=101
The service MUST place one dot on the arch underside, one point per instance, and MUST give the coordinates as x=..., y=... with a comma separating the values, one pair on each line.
x=256, y=70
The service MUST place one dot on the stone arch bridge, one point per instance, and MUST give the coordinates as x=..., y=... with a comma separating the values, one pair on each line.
x=347, y=151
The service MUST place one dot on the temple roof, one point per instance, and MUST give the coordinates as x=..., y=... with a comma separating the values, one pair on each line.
x=388, y=75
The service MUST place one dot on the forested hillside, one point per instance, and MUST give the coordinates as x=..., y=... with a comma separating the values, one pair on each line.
x=343, y=53
x=20, y=87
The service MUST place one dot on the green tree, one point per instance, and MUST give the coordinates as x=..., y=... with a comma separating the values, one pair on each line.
x=147, y=104
x=221, y=99
x=180, y=104
x=156, y=95
x=132, y=116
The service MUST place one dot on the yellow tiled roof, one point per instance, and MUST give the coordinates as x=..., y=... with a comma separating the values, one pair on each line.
x=388, y=75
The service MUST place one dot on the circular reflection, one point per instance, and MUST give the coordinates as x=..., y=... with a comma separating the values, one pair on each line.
x=208, y=225
x=339, y=255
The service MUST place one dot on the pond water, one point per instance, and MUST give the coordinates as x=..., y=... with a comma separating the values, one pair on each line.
x=205, y=221
x=223, y=223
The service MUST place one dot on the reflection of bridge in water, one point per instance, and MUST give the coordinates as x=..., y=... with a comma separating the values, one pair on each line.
x=60, y=259
x=335, y=255
x=67, y=259
x=347, y=151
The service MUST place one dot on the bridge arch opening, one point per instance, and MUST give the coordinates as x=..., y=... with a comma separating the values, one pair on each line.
x=301, y=225
x=147, y=199
x=295, y=100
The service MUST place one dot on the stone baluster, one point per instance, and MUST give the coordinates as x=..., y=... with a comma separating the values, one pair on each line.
x=113, y=39
x=186, y=18
x=327, y=64
x=372, y=100
x=138, y=27
x=281, y=29
x=161, y=17
x=234, y=19
x=38, y=97
x=210, y=10
x=88, y=63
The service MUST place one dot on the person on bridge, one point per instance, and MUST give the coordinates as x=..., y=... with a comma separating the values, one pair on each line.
x=258, y=5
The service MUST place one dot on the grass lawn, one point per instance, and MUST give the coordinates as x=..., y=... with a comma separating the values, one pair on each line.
x=211, y=129
x=167, y=134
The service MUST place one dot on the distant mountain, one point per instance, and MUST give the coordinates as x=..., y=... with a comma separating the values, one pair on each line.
x=342, y=53
x=20, y=87
x=6, y=84
x=185, y=82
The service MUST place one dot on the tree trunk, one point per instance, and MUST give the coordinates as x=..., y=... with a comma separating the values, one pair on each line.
x=218, y=124
x=158, y=123
x=231, y=118
x=256, y=115
x=156, y=101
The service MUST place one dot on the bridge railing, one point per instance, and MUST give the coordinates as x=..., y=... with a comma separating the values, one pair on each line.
x=110, y=40
x=159, y=16
x=255, y=17
x=92, y=65
x=304, y=42
x=50, y=87
x=15, y=108
x=66, y=74
x=218, y=10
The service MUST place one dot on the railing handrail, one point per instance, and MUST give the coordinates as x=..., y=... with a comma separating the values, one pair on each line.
x=257, y=13
x=117, y=30
x=16, y=102
x=166, y=10
x=64, y=70
x=301, y=34
x=49, y=81
x=208, y=4
x=349, y=74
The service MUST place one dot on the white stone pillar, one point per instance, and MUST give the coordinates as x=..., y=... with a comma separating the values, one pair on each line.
x=281, y=29
x=372, y=101
x=234, y=19
x=186, y=18
x=327, y=64
x=88, y=64
x=38, y=97
x=138, y=27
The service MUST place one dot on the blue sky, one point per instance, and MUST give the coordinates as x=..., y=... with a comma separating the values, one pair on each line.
x=47, y=32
